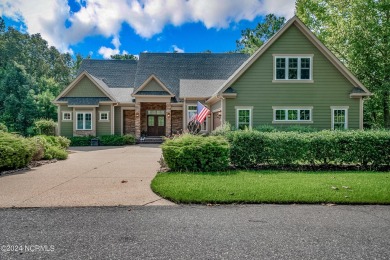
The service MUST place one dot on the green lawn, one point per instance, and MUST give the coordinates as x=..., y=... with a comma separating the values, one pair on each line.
x=275, y=187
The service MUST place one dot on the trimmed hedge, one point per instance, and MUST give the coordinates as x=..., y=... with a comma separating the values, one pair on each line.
x=15, y=151
x=196, y=153
x=251, y=148
x=106, y=140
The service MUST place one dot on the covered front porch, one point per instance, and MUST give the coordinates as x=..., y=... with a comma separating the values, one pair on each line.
x=152, y=119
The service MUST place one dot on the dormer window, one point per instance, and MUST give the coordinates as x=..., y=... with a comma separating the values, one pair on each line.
x=293, y=68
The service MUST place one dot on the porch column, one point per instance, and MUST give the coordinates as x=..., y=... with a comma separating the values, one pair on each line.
x=137, y=120
x=168, y=124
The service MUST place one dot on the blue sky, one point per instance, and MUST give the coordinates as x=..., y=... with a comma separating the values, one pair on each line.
x=104, y=27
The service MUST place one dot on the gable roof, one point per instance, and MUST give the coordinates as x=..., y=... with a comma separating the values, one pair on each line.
x=169, y=68
x=115, y=73
x=164, y=89
x=302, y=27
x=97, y=82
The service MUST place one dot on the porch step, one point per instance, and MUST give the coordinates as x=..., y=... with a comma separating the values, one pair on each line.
x=151, y=140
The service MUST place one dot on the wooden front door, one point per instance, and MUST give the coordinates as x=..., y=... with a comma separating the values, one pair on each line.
x=156, y=125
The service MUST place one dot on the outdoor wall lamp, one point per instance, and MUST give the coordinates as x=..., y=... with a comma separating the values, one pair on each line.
x=136, y=114
x=219, y=114
x=168, y=114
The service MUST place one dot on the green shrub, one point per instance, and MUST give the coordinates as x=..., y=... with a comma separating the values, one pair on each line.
x=246, y=148
x=111, y=140
x=54, y=147
x=45, y=127
x=222, y=130
x=129, y=139
x=251, y=148
x=3, y=128
x=107, y=140
x=55, y=152
x=15, y=151
x=80, y=140
x=39, y=151
x=299, y=129
x=265, y=128
x=196, y=153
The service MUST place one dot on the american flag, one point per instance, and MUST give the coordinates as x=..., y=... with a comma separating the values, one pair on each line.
x=202, y=112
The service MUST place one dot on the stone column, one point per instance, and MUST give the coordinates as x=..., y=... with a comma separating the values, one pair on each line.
x=138, y=120
x=168, y=119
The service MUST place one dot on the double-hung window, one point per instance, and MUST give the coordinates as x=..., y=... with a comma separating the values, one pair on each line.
x=84, y=121
x=243, y=117
x=293, y=68
x=339, y=118
x=292, y=114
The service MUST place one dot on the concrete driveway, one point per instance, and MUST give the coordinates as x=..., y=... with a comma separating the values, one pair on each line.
x=91, y=176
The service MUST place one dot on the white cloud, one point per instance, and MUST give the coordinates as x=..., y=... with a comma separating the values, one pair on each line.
x=107, y=52
x=177, y=49
x=146, y=17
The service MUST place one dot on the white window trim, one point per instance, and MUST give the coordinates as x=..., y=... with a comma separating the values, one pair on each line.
x=100, y=116
x=203, y=129
x=63, y=116
x=250, y=108
x=333, y=108
x=286, y=121
x=287, y=80
x=89, y=112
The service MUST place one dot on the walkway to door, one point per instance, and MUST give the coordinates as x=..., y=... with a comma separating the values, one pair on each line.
x=91, y=176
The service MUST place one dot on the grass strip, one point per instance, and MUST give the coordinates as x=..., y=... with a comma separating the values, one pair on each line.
x=274, y=187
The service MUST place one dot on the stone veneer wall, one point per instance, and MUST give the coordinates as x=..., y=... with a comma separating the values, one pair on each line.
x=129, y=122
x=177, y=121
x=149, y=106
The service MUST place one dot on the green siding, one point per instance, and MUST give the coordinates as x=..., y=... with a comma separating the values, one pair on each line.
x=153, y=86
x=103, y=128
x=117, y=118
x=85, y=88
x=330, y=87
x=66, y=127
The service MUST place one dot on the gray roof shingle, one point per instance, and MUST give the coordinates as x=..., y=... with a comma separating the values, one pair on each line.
x=171, y=67
x=115, y=73
x=202, y=72
x=72, y=101
x=199, y=87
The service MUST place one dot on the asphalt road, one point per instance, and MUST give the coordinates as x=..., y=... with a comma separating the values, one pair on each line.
x=197, y=232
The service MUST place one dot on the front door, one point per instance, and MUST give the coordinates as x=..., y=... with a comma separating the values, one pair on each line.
x=156, y=125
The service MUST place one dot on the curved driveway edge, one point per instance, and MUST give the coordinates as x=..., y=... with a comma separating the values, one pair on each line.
x=91, y=176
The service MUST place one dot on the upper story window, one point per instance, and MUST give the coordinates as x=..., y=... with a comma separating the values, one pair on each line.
x=293, y=68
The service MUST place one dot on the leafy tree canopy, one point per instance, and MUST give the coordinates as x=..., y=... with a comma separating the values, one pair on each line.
x=252, y=39
x=357, y=32
x=124, y=57
x=32, y=74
